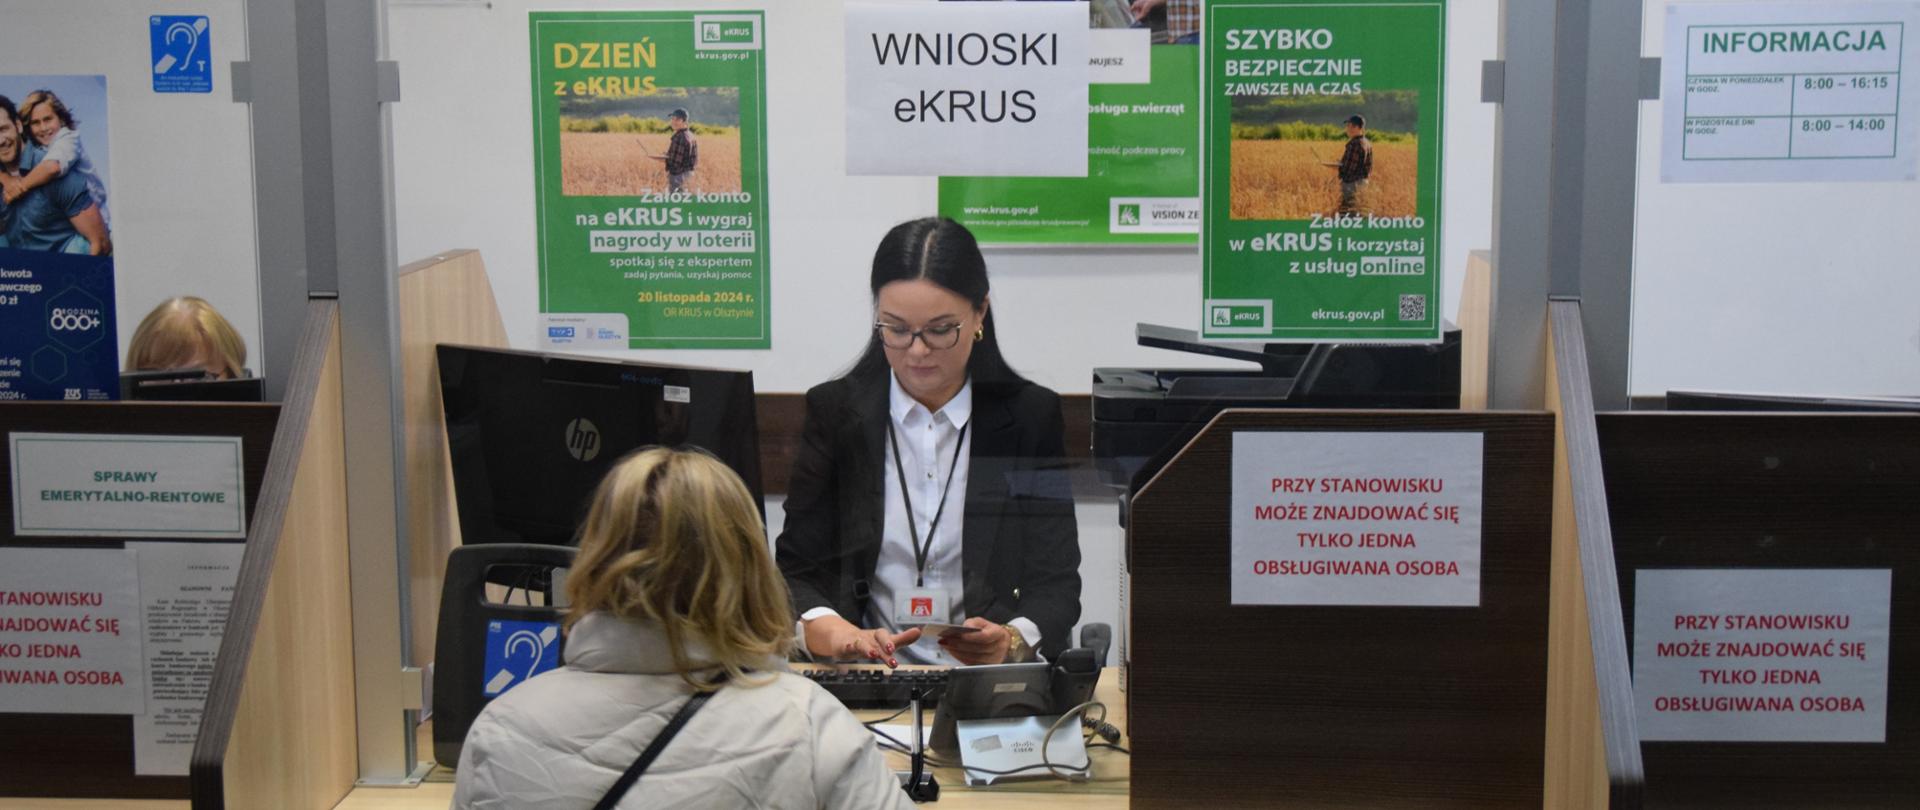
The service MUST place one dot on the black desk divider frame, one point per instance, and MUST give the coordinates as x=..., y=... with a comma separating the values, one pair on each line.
x=459, y=679
x=91, y=755
x=1776, y=490
x=1272, y=706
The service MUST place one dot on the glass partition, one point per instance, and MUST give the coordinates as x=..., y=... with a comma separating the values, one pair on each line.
x=131, y=147
x=472, y=135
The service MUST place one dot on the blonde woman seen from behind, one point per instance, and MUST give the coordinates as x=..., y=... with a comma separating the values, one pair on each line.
x=674, y=593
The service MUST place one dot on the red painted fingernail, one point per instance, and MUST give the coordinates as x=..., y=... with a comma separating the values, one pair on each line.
x=892, y=663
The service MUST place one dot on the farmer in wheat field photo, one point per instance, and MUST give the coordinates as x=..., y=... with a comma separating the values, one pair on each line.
x=1355, y=166
x=683, y=152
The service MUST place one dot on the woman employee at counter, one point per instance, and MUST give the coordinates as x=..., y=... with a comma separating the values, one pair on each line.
x=930, y=484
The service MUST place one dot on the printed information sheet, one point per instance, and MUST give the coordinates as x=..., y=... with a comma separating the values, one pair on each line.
x=1776, y=92
x=186, y=591
x=1761, y=655
x=1356, y=518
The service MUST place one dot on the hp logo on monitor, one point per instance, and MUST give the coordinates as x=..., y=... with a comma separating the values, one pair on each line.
x=583, y=439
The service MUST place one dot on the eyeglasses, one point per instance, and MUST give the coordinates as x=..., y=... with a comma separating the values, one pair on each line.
x=938, y=336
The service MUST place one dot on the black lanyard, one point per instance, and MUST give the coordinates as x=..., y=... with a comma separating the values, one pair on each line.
x=920, y=552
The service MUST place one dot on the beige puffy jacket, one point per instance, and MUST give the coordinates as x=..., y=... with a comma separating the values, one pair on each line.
x=561, y=739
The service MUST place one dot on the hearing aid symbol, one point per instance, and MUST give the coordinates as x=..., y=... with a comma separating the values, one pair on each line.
x=177, y=32
x=182, y=53
x=527, y=651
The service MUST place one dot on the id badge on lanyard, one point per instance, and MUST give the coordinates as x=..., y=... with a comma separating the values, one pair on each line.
x=916, y=606
x=920, y=604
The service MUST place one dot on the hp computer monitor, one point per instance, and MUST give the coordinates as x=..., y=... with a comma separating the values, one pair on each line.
x=531, y=434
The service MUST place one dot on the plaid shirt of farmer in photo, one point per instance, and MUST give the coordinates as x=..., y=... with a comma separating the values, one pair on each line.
x=1183, y=19
x=681, y=152
x=1356, y=164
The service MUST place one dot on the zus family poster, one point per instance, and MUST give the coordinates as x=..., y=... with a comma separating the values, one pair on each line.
x=1143, y=143
x=650, y=175
x=57, y=328
x=1321, y=170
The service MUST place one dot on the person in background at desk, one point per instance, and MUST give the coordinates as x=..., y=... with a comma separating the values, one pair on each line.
x=677, y=642
x=929, y=484
x=185, y=332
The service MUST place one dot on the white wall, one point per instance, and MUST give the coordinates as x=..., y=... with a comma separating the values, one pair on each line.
x=1802, y=288
x=181, y=189
x=463, y=176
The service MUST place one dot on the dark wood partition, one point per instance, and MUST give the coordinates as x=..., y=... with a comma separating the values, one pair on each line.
x=1707, y=490
x=91, y=755
x=1277, y=706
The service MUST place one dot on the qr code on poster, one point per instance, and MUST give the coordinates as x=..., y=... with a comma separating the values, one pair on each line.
x=1413, y=307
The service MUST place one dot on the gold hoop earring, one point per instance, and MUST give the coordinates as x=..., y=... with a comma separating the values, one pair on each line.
x=979, y=335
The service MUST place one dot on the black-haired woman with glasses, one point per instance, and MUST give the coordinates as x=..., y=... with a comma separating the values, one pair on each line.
x=929, y=514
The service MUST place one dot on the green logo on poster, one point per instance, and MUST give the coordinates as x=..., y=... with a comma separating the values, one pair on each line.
x=1130, y=214
x=1237, y=315
x=736, y=32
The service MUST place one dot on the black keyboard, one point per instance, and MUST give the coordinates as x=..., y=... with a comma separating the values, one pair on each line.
x=879, y=688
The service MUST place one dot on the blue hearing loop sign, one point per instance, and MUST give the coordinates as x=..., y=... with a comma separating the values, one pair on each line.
x=182, y=53
x=516, y=651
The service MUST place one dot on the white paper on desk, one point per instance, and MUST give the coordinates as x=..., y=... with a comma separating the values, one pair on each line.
x=70, y=632
x=186, y=590
x=901, y=733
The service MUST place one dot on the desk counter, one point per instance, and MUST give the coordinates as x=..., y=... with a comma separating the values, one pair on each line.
x=1107, y=790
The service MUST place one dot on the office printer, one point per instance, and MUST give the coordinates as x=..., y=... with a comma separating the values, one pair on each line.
x=1142, y=416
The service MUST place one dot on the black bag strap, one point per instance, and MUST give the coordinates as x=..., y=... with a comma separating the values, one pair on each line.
x=639, y=766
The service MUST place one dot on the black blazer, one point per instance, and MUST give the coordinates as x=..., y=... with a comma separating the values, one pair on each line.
x=1020, y=549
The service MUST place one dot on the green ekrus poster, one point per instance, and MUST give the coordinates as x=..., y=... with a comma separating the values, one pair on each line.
x=1143, y=150
x=650, y=176
x=1321, y=170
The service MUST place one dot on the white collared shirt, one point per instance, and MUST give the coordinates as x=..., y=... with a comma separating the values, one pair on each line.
x=929, y=441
